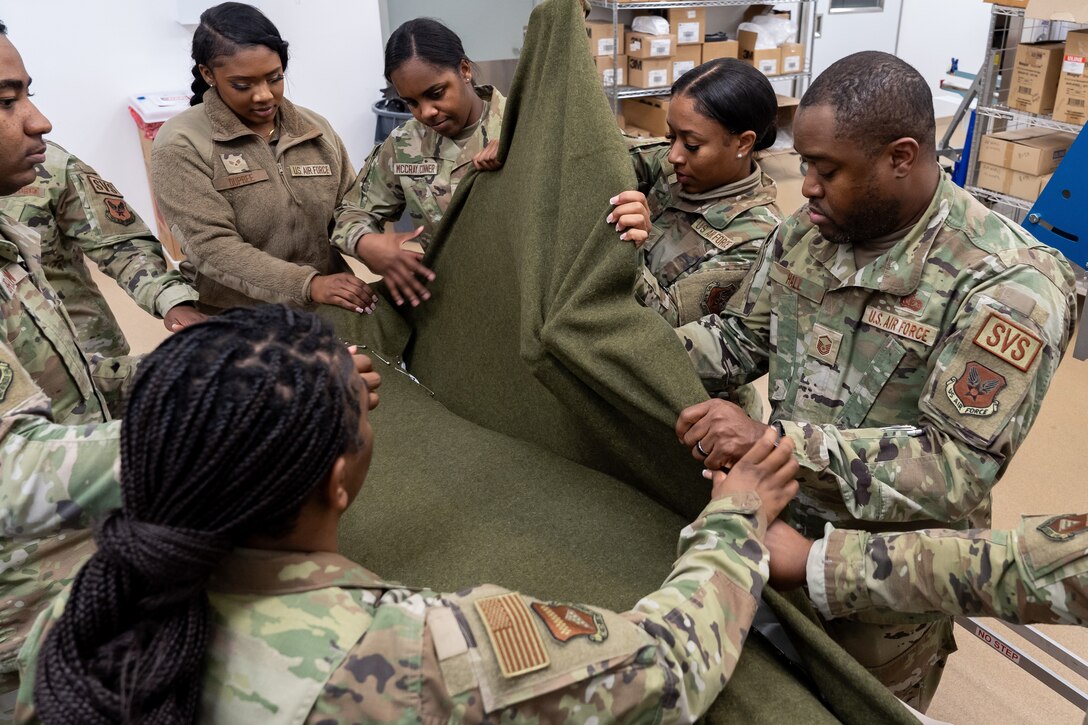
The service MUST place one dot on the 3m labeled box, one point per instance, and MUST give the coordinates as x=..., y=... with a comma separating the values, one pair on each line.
x=1071, y=103
x=1035, y=77
x=767, y=60
x=687, y=24
x=793, y=57
x=686, y=58
x=645, y=45
x=651, y=114
x=649, y=72
x=720, y=49
x=601, y=40
x=609, y=75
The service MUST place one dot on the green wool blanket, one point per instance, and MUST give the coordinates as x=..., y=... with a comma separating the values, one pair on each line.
x=541, y=455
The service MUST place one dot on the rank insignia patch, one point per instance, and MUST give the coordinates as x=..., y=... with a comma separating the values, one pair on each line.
x=975, y=391
x=565, y=622
x=517, y=643
x=717, y=297
x=6, y=378
x=1064, y=527
x=234, y=163
x=825, y=345
x=117, y=211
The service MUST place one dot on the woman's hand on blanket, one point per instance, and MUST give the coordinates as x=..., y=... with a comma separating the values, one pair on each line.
x=402, y=269
x=631, y=215
x=488, y=159
x=343, y=290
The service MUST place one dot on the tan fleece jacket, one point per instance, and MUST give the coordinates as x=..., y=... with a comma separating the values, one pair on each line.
x=252, y=218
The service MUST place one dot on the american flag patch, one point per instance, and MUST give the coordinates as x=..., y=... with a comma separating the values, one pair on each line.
x=518, y=646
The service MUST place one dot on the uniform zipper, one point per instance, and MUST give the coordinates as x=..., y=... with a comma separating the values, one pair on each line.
x=283, y=176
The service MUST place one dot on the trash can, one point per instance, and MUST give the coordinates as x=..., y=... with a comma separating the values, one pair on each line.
x=150, y=111
x=391, y=113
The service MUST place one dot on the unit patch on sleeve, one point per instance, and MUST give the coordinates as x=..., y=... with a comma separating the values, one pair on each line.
x=1064, y=527
x=565, y=621
x=717, y=297
x=517, y=643
x=975, y=391
x=101, y=186
x=117, y=211
x=1013, y=343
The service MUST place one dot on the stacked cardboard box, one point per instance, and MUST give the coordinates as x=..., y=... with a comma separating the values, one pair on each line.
x=649, y=114
x=1035, y=77
x=786, y=58
x=1071, y=104
x=1019, y=163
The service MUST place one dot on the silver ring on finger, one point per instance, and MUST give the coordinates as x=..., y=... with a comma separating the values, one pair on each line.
x=699, y=447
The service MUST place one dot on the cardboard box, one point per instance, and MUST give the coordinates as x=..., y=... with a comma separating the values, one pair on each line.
x=996, y=148
x=720, y=49
x=686, y=58
x=787, y=109
x=1035, y=77
x=793, y=57
x=1070, y=11
x=1009, y=3
x=601, y=39
x=994, y=178
x=651, y=114
x=637, y=132
x=1071, y=102
x=687, y=24
x=1027, y=186
x=609, y=75
x=1041, y=154
x=644, y=45
x=768, y=61
x=649, y=72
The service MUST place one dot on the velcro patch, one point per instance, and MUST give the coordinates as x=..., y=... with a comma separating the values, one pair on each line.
x=1064, y=527
x=1013, y=343
x=566, y=621
x=427, y=168
x=718, y=238
x=901, y=326
x=717, y=297
x=234, y=163
x=975, y=391
x=235, y=180
x=117, y=211
x=914, y=303
x=311, y=170
x=517, y=643
x=101, y=186
x=825, y=344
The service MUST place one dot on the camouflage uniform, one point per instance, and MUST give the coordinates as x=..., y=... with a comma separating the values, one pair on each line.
x=315, y=638
x=701, y=247
x=1037, y=573
x=78, y=213
x=906, y=385
x=57, y=468
x=415, y=169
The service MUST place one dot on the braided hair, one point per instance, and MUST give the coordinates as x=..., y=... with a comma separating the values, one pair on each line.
x=231, y=424
x=224, y=30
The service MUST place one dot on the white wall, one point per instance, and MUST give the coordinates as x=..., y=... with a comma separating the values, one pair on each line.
x=489, y=29
x=932, y=32
x=87, y=58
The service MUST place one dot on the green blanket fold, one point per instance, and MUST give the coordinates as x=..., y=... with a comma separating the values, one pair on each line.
x=546, y=460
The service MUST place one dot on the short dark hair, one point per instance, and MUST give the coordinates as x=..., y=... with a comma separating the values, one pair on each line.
x=426, y=39
x=3, y=28
x=226, y=28
x=877, y=98
x=736, y=95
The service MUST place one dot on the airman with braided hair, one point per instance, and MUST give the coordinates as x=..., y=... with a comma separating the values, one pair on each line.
x=217, y=592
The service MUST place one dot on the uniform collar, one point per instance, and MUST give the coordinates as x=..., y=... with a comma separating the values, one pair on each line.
x=898, y=271
x=226, y=125
x=757, y=189
x=273, y=573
